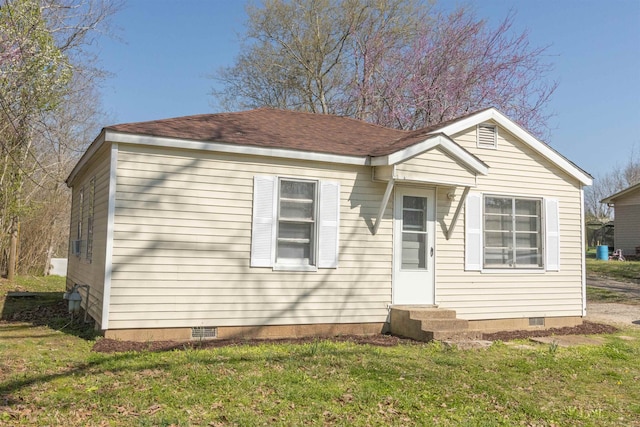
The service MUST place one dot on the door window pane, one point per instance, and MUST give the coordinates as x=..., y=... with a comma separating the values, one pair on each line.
x=414, y=251
x=414, y=233
x=413, y=220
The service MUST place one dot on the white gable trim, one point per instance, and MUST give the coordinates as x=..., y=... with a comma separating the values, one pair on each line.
x=93, y=148
x=520, y=133
x=458, y=153
x=221, y=147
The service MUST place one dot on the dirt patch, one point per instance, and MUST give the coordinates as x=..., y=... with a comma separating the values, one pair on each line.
x=40, y=314
x=116, y=346
x=613, y=313
x=587, y=328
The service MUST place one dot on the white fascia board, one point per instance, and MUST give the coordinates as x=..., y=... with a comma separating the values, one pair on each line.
x=95, y=146
x=459, y=154
x=611, y=199
x=221, y=147
x=523, y=135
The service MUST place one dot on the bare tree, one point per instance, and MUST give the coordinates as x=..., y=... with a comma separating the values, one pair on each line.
x=398, y=63
x=300, y=54
x=621, y=177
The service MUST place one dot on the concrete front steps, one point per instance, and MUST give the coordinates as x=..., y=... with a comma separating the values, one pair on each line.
x=428, y=323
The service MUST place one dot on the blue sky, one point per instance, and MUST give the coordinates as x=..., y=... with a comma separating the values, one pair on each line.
x=167, y=49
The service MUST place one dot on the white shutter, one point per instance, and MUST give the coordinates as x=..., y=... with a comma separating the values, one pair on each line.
x=552, y=235
x=264, y=217
x=329, y=223
x=473, y=233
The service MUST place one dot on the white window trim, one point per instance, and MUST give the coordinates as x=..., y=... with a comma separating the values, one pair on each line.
x=265, y=222
x=292, y=264
x=474, y=238
x=543, y=233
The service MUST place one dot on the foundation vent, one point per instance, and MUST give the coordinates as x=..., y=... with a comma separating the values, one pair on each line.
x=204, y=333
x=536, y=321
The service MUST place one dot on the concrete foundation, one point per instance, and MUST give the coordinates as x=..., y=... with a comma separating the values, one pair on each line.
x=250, y=332
x=404, y=326
x=497, y=325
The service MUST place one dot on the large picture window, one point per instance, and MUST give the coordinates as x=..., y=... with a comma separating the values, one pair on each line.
x=512, y=232
x=296, y=222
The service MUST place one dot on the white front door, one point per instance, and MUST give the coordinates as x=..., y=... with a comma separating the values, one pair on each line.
x=413, y=246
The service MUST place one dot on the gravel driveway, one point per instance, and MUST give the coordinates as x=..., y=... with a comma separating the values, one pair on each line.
x=615, y=313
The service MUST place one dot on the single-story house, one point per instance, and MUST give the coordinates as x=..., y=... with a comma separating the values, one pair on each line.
x=626, y=209
x=274, y=223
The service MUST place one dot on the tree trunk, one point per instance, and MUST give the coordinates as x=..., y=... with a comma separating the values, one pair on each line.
x=13, y=251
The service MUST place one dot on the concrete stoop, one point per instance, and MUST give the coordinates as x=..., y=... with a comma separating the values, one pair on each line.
x=430, y=323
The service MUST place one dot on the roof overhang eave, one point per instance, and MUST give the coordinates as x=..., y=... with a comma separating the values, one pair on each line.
x=542, y=148
x=88, y=154
x=459, y=154
x=225, y=147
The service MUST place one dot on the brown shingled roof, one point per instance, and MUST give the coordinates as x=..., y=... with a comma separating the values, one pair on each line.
x=272, y=128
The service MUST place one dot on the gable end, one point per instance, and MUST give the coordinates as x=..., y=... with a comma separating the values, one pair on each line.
x=487, y=136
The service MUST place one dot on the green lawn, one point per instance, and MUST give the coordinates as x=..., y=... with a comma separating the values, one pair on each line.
x=627, y=270
x=49, y=376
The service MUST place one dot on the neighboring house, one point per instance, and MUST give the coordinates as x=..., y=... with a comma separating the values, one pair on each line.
x=278, y=223
x=626, y=233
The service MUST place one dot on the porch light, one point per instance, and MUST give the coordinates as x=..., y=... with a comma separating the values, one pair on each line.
x=451, y=195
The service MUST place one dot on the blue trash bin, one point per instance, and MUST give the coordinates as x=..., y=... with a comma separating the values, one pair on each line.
x=602, y=252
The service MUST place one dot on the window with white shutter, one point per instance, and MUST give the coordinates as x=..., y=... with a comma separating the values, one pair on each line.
x=507, y=232
x=295, y=223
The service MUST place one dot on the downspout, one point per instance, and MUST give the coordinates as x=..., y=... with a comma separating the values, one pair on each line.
x=583, y=254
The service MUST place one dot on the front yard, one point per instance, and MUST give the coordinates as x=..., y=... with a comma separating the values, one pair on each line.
x=50, y=376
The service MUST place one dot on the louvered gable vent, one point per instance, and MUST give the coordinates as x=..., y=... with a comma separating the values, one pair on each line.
x=487, y=136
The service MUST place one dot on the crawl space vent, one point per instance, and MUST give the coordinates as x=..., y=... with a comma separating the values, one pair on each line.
x=204, y=332
x=487, y=136
x=536, y=321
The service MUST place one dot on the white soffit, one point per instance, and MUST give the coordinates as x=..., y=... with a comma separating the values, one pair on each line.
x=159, y=141
x=523, y=135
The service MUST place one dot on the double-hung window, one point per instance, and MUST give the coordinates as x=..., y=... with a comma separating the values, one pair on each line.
x=512, y=232
x=296, y=222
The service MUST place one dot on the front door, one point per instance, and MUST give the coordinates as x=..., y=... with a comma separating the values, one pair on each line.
x=413, y=246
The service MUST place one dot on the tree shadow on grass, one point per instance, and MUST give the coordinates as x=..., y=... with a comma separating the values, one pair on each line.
x=45, y=309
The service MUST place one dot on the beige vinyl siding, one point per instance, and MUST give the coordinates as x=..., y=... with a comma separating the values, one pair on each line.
x=182, y=238
x=434, y=166
x=514, y=169
x=80, y=269
x=627, y=226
